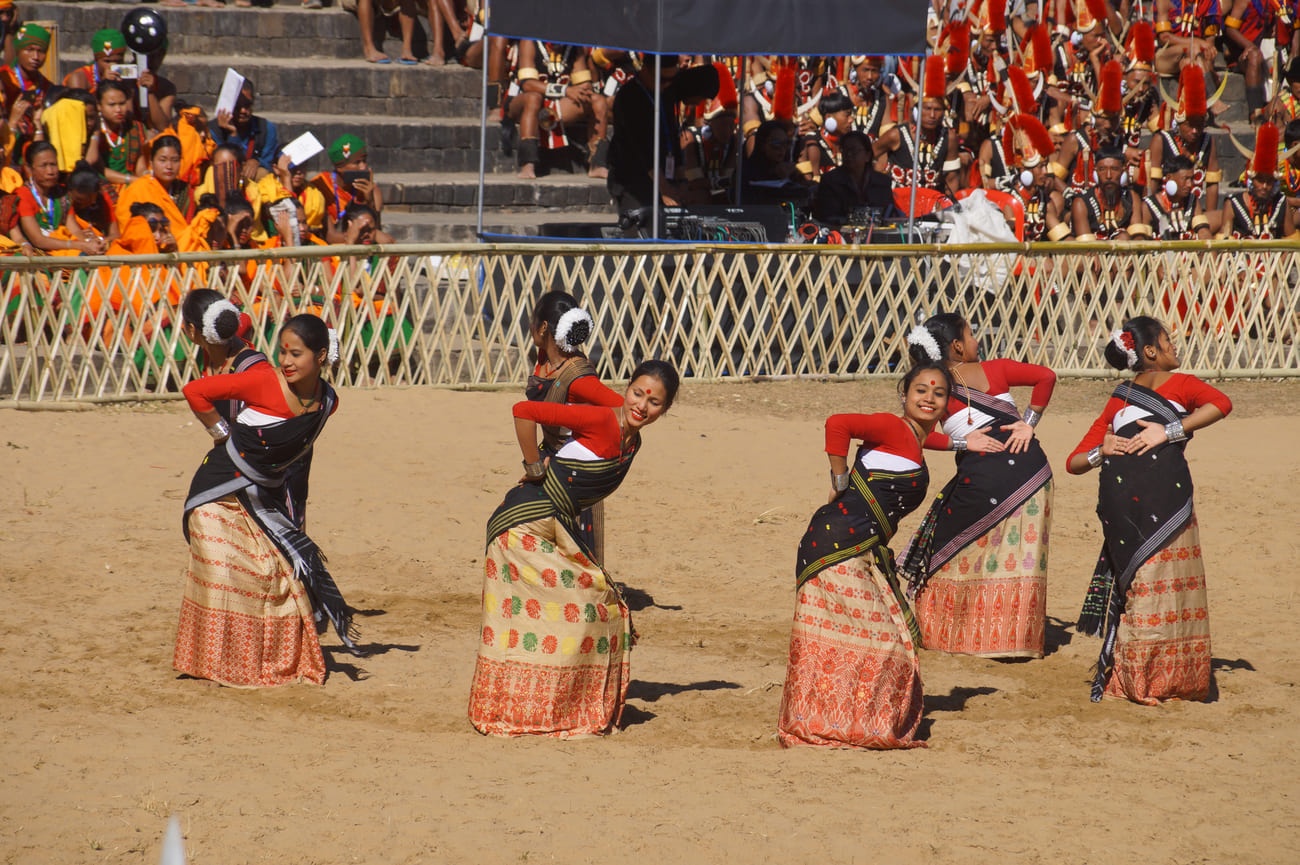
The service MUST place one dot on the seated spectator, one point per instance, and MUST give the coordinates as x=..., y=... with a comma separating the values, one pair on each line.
x=160, y=187
x=360, y=227
x=293, y=178
x=709, y=151
x=121, y=144
x=1289, y=170
x=350, y=181
x=157, y=116
x=1174, y=213
x=854, y=184
x=255, y=136
x=45, y=217
x=1260, y=211
x=109, y=48
x=772, y=159
x=206, y=231
x=90, y=205
x=405, y=10
x=1105, y=211
x=226, y=179
x=1286, y=104
x=239, y=216
x=821, y=148
x=553, y=87
x=23, y=87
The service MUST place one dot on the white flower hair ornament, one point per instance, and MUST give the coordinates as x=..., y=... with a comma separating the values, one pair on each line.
x=573, y=329
x=333, y=354
x=210, y=316
x=1123, y=341
x=921, y=336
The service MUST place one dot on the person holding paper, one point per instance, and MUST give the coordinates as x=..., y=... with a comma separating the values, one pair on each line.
x=256, y=136
x=291, y=176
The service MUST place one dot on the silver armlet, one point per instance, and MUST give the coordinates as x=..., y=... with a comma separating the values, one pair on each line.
x=1032, y=417
x=1175, y=431
x=535, y=470
x=840, y=482
x=959, y=444
x=1094, y=457
x=219, y=430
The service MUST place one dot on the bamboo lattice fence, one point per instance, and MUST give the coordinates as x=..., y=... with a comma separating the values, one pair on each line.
x=103, y=329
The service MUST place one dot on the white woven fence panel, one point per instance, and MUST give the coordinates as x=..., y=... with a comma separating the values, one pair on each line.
x=95, y=329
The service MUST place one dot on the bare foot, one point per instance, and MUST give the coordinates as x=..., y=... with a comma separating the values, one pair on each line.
x=435, y=60
x=528, y=170
x=375, y=56
x=598, y=171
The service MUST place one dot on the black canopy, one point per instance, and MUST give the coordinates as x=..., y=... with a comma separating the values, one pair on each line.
x=825, y=27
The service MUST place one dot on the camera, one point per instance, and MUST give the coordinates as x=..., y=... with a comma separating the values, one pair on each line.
x=125, y=71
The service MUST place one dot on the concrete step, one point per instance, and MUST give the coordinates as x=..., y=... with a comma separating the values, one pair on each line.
x=404, y=144
x=459, y=192
x=285, y=29
x=409, y=227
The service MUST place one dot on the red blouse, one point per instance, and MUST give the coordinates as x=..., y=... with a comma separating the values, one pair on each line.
x=258, y=387
x=1186, y=390
x=595, y=427
x=882, y=431
x=1005, y=374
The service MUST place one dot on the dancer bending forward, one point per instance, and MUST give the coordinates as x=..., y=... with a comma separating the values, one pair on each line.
x=853, y=679
x=1147, y=598
x=555, y=639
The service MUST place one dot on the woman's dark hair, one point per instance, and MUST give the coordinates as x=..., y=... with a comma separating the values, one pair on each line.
x=196, y=303
x=1145, y=331
x=665, y=372
x=209, y=201
x=162, y=142
x=310, y=329
x=946, y=328
x=355, y=211
x=233, y=149
x=35, y=149
x=910, y=376
x=551, y=307
x=858, y=136
x=148, y=210
x=236, y=205
x=105, y=86
x=84, y=178
x=833, y=102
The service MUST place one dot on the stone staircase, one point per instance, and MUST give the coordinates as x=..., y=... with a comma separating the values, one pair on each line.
x=420, y=123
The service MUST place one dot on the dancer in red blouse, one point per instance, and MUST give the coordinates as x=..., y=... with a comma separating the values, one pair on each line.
x=853, y=679
x=560, y=328
x=216, y=325
x=977, y=566
x=257, y=589
x=556, y=635
x=1147, y=599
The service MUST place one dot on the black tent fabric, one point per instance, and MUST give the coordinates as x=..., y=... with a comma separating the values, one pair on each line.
x=827, y=27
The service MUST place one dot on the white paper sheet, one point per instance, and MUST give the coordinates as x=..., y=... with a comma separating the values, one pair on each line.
x=302, y=148
x=229, y=92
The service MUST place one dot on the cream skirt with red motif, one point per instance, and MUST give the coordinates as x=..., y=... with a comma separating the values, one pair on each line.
x=990, y=600
x=1162, y=649
x=554, y=645
x=852, y=679
x=245, y=620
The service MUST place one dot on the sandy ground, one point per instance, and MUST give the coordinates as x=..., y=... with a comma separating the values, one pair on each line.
x=102, y=741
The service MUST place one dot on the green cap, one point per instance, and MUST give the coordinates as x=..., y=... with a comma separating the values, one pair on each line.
x=346, y=147
x=107, y=41
x=32, y=34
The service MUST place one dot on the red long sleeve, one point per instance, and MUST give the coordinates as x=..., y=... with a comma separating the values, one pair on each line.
x=595, y=427
x=881, y=431
x=1186, y=390
x=258, y=387
x=1004, y=374
x=591, y=390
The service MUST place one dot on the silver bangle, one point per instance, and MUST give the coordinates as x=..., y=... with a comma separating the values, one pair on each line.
x=535, y=470
x=1175, y=431
x=959, y=444
x=219, y=430
x=1032, y=417
x=840, y=482
x=1094, y=457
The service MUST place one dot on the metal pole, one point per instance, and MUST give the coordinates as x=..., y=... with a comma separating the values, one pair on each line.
x=658, y=164
x=916, y=150
x=482, y=121
x=742, y=70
